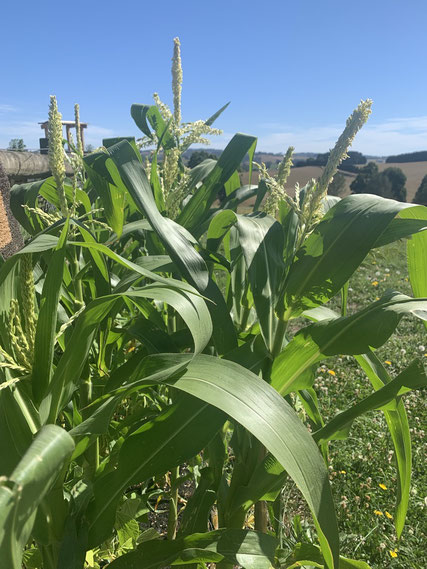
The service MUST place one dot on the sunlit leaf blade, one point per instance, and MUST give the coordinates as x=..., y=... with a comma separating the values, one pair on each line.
x=309, y=555
x=416, y=250
x=47, y=318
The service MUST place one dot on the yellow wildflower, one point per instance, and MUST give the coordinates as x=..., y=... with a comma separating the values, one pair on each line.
x=374, y=283
x=331, y=372
x=378, y=513
x=382, y=486
x=388, y=362
x=390, y=517
x=393, y=553
x=343, y=472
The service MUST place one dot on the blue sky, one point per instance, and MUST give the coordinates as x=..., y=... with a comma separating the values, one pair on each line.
x=293, y=70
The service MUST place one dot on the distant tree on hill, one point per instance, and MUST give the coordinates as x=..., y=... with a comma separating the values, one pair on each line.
x=17, y=144
x=389, y=184
x=421, y=194
x=398, y=180
x=366, y=174
x=198, y=156
x=420, y=156
x=349, y=164
x=337, y=186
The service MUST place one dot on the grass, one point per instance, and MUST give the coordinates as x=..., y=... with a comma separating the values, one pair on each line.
x=364, y=461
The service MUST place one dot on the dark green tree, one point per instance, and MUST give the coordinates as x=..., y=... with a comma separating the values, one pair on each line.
x=388, y=184
x=198, y=156
x=17, y=144
x=397, y=180
x=337, y=186
x=364, y=178
x=421, y=194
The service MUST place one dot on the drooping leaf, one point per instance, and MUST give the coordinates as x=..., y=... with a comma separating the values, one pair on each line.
x=351, y=335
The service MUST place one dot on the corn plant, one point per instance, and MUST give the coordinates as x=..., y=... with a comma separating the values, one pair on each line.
x=145, y=333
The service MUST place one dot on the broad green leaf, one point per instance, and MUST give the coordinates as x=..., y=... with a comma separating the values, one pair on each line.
x=247, y=549
x=16, y=429
x=262, y=242
x=26, y=194
x=338, y=245
x=219, y=112
x=351, y=335
x=142, y=113
x=199, y=505
x=261, y=239
x=23, y=490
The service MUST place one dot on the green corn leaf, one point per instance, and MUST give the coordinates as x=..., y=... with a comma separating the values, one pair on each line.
x=338, y=245
x=47, y=319
x=174, y=436
x=112, y=197
x=219, y=112
x=351, y=335
x=197, y=208
x=247, y=549
x=416, y=250
x=398, y=426
x=26, y=194
x=142, y=113
x=191, y=308
x=22, y=492
x=261, y=240
x=396, y=420
x=180, y=250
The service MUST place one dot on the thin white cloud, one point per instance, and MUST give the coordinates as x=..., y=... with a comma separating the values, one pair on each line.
x=7, y=109
x=393, y=136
